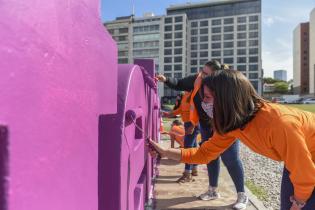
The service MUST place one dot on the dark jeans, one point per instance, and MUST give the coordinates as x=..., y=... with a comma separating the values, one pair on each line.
x=287, y=190
x=190, y=142
x=231, y=160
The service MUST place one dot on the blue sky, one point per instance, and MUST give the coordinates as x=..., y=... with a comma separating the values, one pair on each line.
x=279, y=18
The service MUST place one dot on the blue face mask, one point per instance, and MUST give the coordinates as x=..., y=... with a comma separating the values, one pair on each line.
x=208, y=108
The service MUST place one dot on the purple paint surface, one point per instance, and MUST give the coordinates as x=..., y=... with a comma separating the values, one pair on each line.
x=58, y=75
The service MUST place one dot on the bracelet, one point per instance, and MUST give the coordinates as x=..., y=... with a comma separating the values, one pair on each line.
x=297, y=203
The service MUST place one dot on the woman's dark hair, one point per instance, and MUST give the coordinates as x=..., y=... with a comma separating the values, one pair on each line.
x=215, y=65
x=235, y=100
x=177, y=122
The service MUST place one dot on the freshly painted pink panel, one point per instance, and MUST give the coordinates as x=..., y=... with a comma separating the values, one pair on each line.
x=58, y=75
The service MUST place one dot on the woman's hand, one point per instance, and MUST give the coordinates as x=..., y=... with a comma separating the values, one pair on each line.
x=160, y=78
x=156, y=149
x=296, y=203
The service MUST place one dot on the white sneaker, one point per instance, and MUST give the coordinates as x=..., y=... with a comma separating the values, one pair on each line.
x=211, y=194
x=241, y=202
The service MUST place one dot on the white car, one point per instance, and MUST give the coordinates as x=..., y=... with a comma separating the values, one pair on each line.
x=309, y=101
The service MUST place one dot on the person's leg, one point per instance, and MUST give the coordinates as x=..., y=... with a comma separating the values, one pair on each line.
x=189, y=141
x=233, y=163
x=287, y=190
x=213, y=168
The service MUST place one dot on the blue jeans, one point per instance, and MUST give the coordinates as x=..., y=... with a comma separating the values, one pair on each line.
x=190, y=142
x=231, y=160
x=287, y=190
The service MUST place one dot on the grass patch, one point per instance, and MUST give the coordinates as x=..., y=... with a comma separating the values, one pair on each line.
x=259, y=192
x=305, y=107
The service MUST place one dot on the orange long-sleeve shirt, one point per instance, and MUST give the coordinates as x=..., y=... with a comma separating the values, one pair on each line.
x=184, y=108
x=278, y=132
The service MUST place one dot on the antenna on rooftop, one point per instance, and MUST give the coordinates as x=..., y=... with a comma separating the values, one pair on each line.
x=133, y=10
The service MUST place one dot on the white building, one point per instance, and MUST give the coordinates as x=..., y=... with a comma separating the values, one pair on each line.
x=280, y=75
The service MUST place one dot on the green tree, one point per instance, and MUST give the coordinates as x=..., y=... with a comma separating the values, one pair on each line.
x=281, y=87
x=270, y=80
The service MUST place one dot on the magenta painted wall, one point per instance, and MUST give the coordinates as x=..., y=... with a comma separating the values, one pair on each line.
x=58, y=74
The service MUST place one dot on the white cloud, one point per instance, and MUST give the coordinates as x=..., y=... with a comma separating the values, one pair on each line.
x=268, y=21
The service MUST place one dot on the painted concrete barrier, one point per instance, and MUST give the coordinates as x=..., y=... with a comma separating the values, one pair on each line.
x=59, y=85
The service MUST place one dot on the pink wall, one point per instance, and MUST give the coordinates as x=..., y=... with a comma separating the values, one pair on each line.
x=58, y=74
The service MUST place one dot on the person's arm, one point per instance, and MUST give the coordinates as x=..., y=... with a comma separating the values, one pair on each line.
x=208, y=151
x=176, y=112
x=184, y=84
x=288, y=140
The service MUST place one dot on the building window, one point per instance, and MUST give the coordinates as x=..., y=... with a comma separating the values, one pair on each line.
x=253, y=26
x=167, y=36
x=241, y=19
x=253, y=59
x=241, y=35
x=123, y=53
x=193, y=62
x=179, y=19
x=216, y=22
x=204, y=39
x=122, y=38
x=253, y=34
x=216, y=38
x=178, y=75
x=241, y=67
x=228, y=28
x=168, y=44
x=228, y=60
x=193, y=70
x=228, y=44
x=255, y=84
x=228, y=52
x=178, y=43
x=193, y=47
x=216, y=53
x=168, y=28
x=167, y=52
x=228, y=36
x=168, y=20
x=194, y=39
x=123, y=60
x=241, y=44
x=193, y=54
x=203, y=54
x=204, y=31
x=167, y=59
x=204, y=23
x=229, y=21
x=203, y=62
x=253, y=75
x=253, y=43
x=241, y=60
x=253, y=18
x=194, y=32
x=241, y=52
x=178, y=67
x=178, y=35
x=241, y=27
x=194, y=24
x=253, y=67
x=204, y=46
x=178, y=27
x=216, y=45
x=216, y=30
x=178, y=59
x=123, y=30
x=167, y=68
x=178, y=51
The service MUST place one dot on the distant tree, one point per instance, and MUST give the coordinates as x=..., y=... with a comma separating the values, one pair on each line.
x=281, y=87
x=270, y=80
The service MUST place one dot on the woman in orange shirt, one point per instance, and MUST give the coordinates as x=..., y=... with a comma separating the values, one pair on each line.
x=182, y=108
x=275, y=131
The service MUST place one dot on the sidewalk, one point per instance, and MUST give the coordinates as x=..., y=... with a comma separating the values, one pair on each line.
x=171, y=195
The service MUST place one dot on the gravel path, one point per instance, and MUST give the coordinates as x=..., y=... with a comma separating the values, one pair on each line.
x=264, y=173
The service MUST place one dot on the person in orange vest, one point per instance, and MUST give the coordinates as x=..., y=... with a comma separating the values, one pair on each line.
x=279, y=132
x=199, y=117
x=176, y=133
x=182, y=108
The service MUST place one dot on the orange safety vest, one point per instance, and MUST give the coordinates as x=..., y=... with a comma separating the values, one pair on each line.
x=184, y=109
x=194, y=117
x=179, y=133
